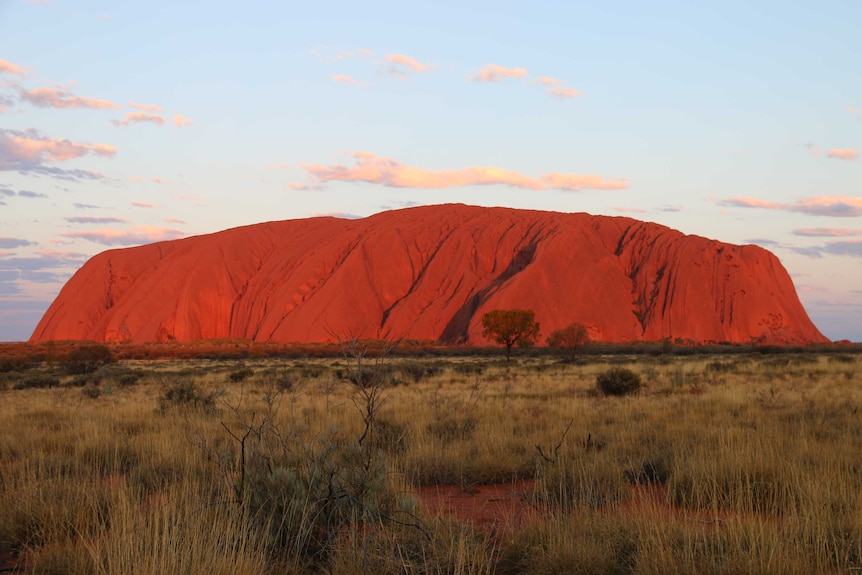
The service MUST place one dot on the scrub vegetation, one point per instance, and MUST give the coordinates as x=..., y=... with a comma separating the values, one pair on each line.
x=708, y=463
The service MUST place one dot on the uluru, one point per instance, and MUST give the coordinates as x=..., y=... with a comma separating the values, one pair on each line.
x=430, y=273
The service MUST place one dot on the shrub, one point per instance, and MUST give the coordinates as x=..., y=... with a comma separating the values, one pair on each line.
x=371, y=376
x=91, y=392
x=37, y=382
x=87, y=359
x=241, y=374
x=511, y=327
x=187, y=394
x=416, y=371
x=569, y=339
x=618, y=381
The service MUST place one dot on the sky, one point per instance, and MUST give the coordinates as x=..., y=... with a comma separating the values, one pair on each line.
x=123, y=123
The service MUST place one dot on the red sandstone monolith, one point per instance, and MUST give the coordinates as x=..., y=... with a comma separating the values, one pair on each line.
x=430, y=273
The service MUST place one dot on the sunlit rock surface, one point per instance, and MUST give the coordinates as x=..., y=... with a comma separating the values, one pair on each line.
x=430, y=273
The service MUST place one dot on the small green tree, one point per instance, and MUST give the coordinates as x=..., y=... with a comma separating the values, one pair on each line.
x=569, y=339
x=509, y=327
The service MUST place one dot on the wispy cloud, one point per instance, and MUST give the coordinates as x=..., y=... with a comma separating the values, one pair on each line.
x=145, y=205
x=142, y=180
x=127, y=237
x=555, y=87
x=7, y=67
x=401, y=65
x=29, y=194
x=548, y=81
x=180, y=121
x=392, y=173
x=12, y=243
x=145, y=107
x=852, y=109
x=624, y=210
x=95, y=220
x=174, y=221
x=28, y=151
x=327, y=53
x=831, y=206
x=349, y=80
x=827, y=232
x=5, y=103
x=494, y=73
x=297, y=187
x=22, y=193
x=842, y=154
x=79, y=206
x=62, y=98
x=139, y=118
x=563, y=92
x=850, y=248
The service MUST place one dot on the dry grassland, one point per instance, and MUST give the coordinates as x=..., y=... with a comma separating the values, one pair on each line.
x=720, y=464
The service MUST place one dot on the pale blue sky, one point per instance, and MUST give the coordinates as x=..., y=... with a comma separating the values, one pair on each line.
x=733, y=121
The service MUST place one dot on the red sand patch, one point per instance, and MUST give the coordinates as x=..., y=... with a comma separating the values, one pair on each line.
x=498, y=507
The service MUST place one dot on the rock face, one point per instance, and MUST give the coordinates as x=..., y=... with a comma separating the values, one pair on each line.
x=431, y=273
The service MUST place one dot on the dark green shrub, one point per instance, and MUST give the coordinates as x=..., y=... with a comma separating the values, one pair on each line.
x=416, y=371
x=15, y=364
x=87, y=359
x=81, y=380
x=469, y=368
x=187, y=394
x=129, y=379
x=618, y=381
x=241, y=374
x=37, y=382
x=91, y=392
x=368, y=376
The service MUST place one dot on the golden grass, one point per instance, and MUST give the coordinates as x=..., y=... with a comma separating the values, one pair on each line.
x=750, y=464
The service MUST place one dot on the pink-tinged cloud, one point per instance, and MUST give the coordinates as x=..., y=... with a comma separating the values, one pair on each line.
x=95, y=220
x=563, y=92
x=7, y=67
x=302, y=187
x=141, y=180
x=751, y=203
x=63, y=99
x=400, y=64
x=139, y=118
x=327, y=53
x=174, y=221
x=180, y=121
x=28, y=150
x=852, y=109
x=145, y=205
x=127, y=237
x=842, y=154
x=548, y=81
x=827, y=232
x=349, y=80
x=624, y=210
x=831, y=206
x=494, y=73
x=145, y=107
x=392, y=173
